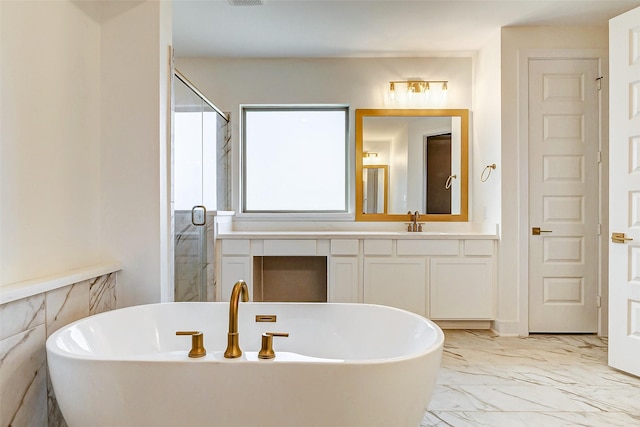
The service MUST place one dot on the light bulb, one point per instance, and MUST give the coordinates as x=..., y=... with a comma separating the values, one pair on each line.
x=427, y=90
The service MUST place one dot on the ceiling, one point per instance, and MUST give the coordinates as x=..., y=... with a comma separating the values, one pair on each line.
x=365, y=28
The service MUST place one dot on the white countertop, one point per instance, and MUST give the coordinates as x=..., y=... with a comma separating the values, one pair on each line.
x=356, y=234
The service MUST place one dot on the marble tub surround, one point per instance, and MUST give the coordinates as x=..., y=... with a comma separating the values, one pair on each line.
x=541, y=380
x=26, y=397
x=19, y=290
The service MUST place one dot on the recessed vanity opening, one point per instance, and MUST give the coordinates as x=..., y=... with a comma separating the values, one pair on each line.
x=290, y=278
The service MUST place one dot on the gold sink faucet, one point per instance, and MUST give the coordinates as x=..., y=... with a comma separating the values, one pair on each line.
x=233, y=347
x=414, y=226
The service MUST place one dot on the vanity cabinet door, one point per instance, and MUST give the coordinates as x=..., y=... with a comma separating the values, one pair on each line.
x=343, y=279
x=396, y=282
x=461, y=288
x=234, y=268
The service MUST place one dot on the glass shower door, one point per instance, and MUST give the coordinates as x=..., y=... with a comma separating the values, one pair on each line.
x=194, y=190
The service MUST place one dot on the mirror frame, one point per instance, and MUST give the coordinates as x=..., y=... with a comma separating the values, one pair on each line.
x=463, y=216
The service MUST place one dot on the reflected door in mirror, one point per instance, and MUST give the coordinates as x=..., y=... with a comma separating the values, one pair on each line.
x=375, y=188
x=438, y=171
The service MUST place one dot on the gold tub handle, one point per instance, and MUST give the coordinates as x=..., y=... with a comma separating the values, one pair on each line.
x=266, y=350
x=197, y=343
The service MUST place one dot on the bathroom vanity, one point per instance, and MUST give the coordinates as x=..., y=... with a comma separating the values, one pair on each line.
x=412, y=245
x=445, y=276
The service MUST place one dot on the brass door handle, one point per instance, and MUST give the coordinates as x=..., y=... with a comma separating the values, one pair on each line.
x=197, y=343
x=619, y=238
x=536, y=231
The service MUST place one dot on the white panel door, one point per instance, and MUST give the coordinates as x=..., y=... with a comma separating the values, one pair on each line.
x=563, y=195
x=624, y=192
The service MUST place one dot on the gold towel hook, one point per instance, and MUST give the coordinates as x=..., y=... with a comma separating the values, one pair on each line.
x=486, y=173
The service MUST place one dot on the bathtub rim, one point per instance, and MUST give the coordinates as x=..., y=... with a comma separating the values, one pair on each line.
x=51, y=342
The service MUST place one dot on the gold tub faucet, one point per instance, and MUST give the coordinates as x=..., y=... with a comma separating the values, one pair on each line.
x=239, y=291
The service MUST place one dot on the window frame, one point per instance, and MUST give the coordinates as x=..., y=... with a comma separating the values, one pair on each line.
x=342, y=214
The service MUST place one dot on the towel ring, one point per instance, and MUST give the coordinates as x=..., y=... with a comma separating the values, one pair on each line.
x=486, y=173
x=449, y=182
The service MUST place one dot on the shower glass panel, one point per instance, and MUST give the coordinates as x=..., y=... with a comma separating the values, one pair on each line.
x=199, y=132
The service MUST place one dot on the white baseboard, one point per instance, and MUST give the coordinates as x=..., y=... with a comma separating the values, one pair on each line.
x=505, y=328
x=463, y=324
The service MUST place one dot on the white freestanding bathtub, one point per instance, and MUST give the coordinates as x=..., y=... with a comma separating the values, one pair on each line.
x=343, y=365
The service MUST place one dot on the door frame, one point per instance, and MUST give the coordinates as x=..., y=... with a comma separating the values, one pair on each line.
x=525, y=55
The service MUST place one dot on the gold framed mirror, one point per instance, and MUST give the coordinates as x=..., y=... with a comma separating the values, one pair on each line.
x=426, y=152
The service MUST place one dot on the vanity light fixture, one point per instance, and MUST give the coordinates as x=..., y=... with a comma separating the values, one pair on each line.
x=369, y=154
x=416, y=86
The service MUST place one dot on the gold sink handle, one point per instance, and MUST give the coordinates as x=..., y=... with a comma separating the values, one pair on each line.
x=266, y=351
x=197, y=343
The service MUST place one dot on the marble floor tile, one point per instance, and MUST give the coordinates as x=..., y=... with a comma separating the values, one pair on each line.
x=541, y=380
x=530, y=419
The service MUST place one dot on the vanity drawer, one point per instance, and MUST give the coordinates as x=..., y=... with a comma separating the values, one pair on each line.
x=236, y=247
x=344, y=247
x=290, y=247
x=478, y=247
x=378, y=247
x=428, y=247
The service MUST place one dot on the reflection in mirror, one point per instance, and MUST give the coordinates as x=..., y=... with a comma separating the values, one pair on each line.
x=427, y=156
x=375, y=185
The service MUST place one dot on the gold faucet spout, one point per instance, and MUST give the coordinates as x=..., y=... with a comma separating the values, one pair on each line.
x=240, y=290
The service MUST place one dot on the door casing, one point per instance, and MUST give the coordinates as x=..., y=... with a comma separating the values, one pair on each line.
x=523, y=179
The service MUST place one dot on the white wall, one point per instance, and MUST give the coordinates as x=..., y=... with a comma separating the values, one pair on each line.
x=487, y=138
x=135, y=203
x=360, y=83
x=513, y=261
x=50, y=153
x=487, y=141
x=84, y=162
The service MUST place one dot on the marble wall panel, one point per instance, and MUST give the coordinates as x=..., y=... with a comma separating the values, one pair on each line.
x=66, y=305
x=23, y=397
x=102, y=294
x=21, y=315
x=26, y=395
x=194, y=258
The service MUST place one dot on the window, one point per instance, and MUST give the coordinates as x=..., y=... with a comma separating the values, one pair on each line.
x=294, y=159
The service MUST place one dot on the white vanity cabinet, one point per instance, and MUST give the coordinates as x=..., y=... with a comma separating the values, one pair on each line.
x=235, y=264
x=344, y=281
x=448, y=278
x=397, y=282
x=442, y=279
x=461, y=288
